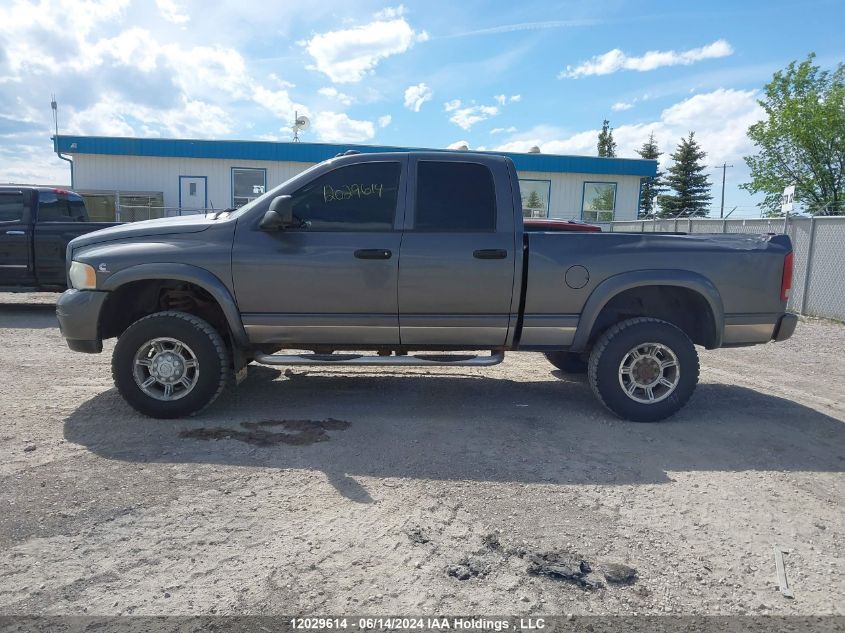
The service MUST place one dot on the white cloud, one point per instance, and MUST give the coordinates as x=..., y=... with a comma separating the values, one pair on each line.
x=470, y=115
x=616, y=60
x=452, y=105
x=389, y=13
x=503, y=130
x=348, y=55
x=458, y=145
x=279, y=103
x=719, y=119
x=384, y=121
x=504, y=99
x=619, y=106
x=172, y=12
x=416, y=96
x=338, y=127
x=333, y=93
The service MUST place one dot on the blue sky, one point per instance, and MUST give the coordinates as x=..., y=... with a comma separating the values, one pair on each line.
x=495, y=75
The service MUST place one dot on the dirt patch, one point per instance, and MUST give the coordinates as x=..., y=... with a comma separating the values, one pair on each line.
x=296, y=432
x=470, y=566
x=618, y=574
x=564, y=566
x=418, y=535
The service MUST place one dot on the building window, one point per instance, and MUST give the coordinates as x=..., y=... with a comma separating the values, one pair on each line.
x=535, y=197
x=599, y=203
x=454, y=197
x=247, y=185
x=192, y=189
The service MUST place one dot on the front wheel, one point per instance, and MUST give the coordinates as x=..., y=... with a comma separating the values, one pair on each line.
x=170, y=364
x=643, y=369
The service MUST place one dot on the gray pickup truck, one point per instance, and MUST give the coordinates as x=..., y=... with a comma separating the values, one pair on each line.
x=413, y=259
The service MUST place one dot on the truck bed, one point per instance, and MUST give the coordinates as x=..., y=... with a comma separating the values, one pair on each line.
x=580, y=264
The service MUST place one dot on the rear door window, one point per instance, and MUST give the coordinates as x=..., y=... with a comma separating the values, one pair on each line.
x=453, y=196
x=57, y=207
x=11, y=206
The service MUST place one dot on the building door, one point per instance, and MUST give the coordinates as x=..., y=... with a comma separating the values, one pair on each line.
x=193, y=194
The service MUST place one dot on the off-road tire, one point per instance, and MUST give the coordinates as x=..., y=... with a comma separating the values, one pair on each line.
x=567, y=362
x=211, y=354
x=612, y=347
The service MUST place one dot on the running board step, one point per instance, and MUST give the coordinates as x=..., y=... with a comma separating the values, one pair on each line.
x=425, y=360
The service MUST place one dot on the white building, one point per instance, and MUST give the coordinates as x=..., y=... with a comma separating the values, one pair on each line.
x=137, y=178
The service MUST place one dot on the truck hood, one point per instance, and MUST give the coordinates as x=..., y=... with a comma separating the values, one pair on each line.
x=162, y=226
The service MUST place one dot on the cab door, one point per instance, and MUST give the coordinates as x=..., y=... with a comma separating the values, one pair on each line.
x=332, y=279
x=15, y=239
x=456, y=270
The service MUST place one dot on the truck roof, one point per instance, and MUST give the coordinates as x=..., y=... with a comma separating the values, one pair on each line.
x=46, y=188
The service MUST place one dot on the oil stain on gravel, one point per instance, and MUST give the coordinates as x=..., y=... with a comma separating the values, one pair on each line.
x=295, y=432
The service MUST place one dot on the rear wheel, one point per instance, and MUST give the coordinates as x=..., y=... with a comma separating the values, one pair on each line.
x=567, y=362
x=170, y=364
x=643, y=369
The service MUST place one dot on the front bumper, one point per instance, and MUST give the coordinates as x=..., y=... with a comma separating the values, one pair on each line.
x=785, y=327
x=78, y=312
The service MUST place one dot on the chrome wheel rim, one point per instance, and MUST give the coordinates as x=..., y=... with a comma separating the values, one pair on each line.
x=649, y=373
x=165, y=369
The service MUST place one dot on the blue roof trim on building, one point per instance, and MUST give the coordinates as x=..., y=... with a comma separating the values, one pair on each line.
x=316, y=152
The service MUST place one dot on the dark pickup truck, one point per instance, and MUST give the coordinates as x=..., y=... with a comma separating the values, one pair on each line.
x=36, y=224
x=421, y=259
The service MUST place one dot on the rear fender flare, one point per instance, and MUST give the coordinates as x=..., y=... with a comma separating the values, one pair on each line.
x=191, y=274
x=612, y=286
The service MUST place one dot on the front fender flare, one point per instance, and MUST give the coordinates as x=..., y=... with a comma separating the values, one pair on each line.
x=612, y=286
x=192, y=274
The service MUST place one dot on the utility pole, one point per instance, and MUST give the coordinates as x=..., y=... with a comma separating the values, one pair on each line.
x=724, y=168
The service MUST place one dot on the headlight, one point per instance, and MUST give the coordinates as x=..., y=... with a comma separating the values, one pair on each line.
x=82, y=276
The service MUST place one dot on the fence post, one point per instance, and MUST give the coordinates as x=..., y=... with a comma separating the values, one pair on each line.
x=809, y=268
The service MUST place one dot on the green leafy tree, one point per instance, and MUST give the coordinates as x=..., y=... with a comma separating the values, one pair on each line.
x=651, y=187
x=606, y=144
x=801, y=141
x=688, y=181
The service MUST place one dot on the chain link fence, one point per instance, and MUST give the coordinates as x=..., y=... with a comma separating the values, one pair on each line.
x=818, y=279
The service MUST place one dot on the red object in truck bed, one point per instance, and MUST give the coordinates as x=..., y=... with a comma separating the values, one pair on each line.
x=537, y=224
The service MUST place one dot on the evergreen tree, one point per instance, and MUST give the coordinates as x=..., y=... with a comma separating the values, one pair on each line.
x=651, y=187
x=688, y=180
x=606, y=144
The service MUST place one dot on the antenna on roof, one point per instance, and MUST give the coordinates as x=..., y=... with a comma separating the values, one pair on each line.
x=299, y=123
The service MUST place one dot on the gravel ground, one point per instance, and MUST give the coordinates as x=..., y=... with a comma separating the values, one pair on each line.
x=376, y=491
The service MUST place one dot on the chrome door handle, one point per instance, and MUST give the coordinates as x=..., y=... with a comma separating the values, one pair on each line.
x=15, y=232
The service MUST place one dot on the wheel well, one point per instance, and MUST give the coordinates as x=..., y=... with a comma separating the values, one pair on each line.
x=685, y=308
x=137, y=299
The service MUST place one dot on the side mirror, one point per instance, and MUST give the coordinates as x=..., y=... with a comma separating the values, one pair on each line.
x=279, y=216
